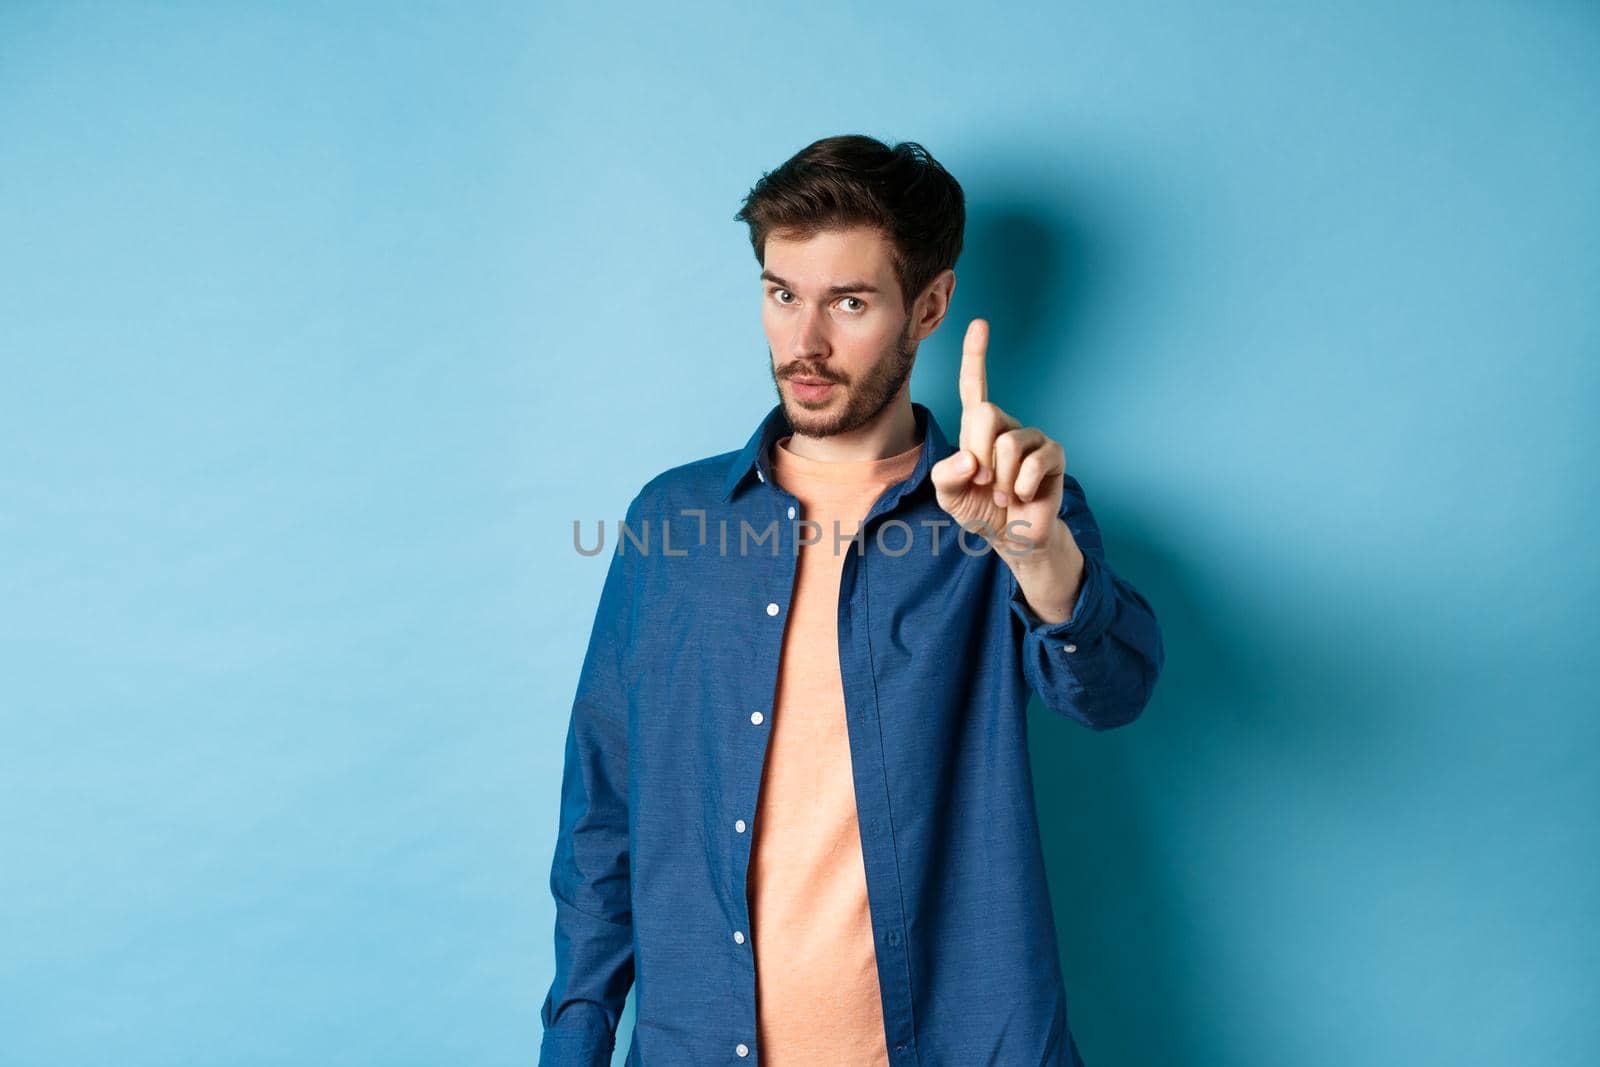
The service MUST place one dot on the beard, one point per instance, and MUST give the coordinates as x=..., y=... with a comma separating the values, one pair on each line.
x=864, y=400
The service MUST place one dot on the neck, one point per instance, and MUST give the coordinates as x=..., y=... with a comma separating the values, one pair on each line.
x=891, y=432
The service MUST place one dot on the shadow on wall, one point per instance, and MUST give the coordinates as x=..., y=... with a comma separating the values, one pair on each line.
x=1252, y=694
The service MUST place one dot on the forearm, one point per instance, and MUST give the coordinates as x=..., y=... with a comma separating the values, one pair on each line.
x=589, y=880
x=1050, y=575
x=1090, y=643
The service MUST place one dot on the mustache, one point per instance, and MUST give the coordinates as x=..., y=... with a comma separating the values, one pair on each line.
x=798, y=371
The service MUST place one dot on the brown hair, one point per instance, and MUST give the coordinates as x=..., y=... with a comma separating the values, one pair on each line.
x=853, y=179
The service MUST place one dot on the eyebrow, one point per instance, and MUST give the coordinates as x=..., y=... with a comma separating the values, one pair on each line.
x=833, y=290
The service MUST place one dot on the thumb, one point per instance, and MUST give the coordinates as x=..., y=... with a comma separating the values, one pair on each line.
x=952, y=473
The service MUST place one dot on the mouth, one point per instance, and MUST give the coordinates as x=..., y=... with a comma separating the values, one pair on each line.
x=811, y=388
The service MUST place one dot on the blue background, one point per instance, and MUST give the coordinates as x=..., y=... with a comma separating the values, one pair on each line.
x=320, y=326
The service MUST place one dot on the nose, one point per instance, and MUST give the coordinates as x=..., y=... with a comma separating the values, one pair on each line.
x=810, y=340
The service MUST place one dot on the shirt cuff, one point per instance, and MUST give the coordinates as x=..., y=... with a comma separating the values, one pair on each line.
x=576, y=1048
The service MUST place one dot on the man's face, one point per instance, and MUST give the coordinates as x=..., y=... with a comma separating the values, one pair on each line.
x=837, y=328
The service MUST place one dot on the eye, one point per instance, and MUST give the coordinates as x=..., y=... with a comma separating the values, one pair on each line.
x=856, y=300
x=777, y=294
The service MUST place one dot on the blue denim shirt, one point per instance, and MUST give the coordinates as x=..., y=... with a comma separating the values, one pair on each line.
x=938, y=652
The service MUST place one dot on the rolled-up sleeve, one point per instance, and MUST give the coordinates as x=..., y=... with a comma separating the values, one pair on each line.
x=1100, y=665
x=589, y=876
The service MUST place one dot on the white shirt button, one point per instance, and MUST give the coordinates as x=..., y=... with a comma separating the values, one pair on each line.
x=756, y=717
x=791, y=511
x=772, y=609
x=739, y=826
x=1069, y=648
x=738, y=935
x=742, y=1049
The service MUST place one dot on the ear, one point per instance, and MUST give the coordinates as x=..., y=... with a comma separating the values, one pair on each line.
x=932, y=305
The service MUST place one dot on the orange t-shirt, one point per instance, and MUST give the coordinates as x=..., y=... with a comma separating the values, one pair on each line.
x=817, y=998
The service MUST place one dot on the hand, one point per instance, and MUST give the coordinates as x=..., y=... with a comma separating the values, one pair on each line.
x=1003, y=472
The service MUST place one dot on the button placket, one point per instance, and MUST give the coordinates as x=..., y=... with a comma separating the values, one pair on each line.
x=878, y=851
x=774, y=609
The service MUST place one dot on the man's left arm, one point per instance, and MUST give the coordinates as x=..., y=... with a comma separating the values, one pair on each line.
x=1090, y=643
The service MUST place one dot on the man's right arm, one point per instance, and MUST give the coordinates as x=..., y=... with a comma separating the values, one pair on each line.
x=589, y=875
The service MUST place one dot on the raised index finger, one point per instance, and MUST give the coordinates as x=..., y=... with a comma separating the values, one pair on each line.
x=974, y=379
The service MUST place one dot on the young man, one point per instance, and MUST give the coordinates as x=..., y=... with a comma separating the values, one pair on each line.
x=796, y=812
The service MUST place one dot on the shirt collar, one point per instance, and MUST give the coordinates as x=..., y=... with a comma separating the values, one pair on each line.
x=757, y=451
